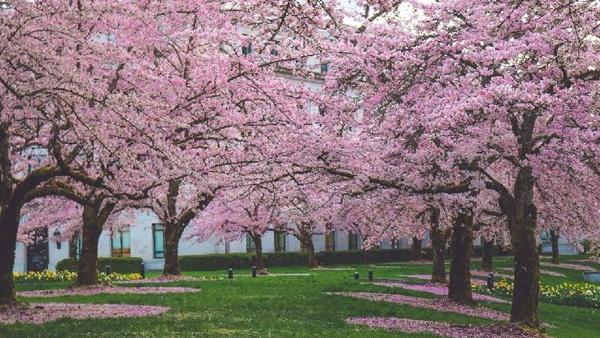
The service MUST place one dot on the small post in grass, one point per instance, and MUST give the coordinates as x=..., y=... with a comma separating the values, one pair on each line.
x=230, y=273
x=107, y=269
x=490, y=281
x=143, y=270
x=356, y=276
x=254, y=271
x=371, y=275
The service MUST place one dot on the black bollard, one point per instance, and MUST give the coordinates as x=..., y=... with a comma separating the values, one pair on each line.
x=107, y=269
x=143, y=270
x=230, y=273
x=371, y=275
x=490, y=281
x=356, y=276
x=254, y=271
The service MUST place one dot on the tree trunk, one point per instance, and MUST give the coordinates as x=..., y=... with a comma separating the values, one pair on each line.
x=554, y=238
x=87, y=268
x=459, y=287
x=260, y=262
x=416, y=248
x=308, y=244
x=439, y=238
x=522, y=218
x=487, y=255
x=9, y=222
x=173, y=232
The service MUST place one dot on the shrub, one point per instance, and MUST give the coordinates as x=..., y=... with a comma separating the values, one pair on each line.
x=243, y=260
x=117, y=264
x=214, y=262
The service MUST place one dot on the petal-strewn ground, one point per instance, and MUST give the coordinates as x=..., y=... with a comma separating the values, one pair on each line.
x=444, y=305
x=46, y=312
x=578, y=267
x=441, y=329
x=542, y=271
x=104, y=289
x=437, y=289
x=428, y=278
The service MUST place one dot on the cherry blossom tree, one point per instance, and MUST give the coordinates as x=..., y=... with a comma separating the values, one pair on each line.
x=499, y=96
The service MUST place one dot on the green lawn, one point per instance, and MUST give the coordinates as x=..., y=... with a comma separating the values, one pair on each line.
x=282, y=307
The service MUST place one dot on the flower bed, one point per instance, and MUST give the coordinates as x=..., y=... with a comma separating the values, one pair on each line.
x=573, y=294
x=46, y=312
x=104, y=289
x=444, y=305
x=65, y=276
x=441, y=329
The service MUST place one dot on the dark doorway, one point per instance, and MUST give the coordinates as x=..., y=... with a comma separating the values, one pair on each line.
x=37, y=251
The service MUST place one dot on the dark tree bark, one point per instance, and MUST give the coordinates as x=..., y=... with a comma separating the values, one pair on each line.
x=554, y=239
x=175, y=225
x=12, y=197
x=487, y=255
x=459, y=286
x=94, y=219
x=309, y=246
x=522, y=218
x=259, y=260
x=439, y=238
x=173, y=232
x=417, y=248
x=9, y=221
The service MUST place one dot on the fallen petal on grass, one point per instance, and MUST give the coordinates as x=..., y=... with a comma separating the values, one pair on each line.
x=542, y=271
x=428, y=278
x=46, y=312
x=568, y=266
x=104, y=289
x=442, y=329
x=443, y=304
x=437, y=289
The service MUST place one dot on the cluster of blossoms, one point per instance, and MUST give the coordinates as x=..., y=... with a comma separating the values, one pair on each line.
x=573, y=294
x=67, y=276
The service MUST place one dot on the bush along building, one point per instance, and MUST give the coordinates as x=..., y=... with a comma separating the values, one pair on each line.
x=144, y=239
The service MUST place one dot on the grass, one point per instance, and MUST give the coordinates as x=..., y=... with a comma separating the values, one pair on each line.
x=282, y=306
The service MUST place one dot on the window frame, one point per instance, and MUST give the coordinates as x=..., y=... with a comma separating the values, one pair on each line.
x=352, y=241
x=330, y=241
x=155, y=252
x=112, y=246
x=279, y=239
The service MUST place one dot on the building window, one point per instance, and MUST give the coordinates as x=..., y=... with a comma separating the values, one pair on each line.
x=330, y=241
x=324, y=68
x=352, y=241
x=246, y=50
x=120, y=244
x=279, y=241
x=78, y=244
x=158, y=240
x=250, y=245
